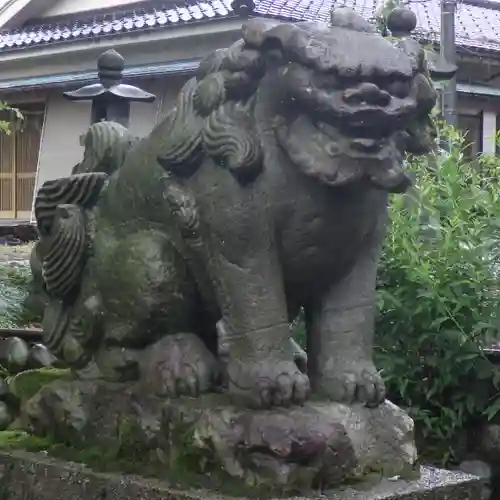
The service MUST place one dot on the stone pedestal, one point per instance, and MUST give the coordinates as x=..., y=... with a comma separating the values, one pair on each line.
x=208, y=441
x=35, y=477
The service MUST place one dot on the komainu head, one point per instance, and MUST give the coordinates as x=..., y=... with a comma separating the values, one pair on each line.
x=344, y=103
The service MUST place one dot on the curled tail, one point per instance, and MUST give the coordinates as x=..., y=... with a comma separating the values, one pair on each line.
x=81, y=190
x=62, y=208
x=106, y=146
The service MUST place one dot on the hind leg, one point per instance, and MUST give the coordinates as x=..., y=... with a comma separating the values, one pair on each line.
x=151, y=301
x=146, y=289
x=176, y=365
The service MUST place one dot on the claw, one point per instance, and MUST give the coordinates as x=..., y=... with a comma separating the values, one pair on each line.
x=359, y=383
x=268, y=383
x=302, y=390
x=179, y=365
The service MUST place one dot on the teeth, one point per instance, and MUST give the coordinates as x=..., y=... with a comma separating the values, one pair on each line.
x=365, y=144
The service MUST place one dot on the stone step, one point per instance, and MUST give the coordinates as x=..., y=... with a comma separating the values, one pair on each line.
x=34, y=476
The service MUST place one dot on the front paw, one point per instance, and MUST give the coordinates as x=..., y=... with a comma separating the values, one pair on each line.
x=268, y=382
x=179, y=365
x=354, y=382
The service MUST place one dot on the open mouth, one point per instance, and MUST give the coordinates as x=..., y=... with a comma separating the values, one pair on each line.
x=338, y=159
x=364, y=142
x=368, y=121
x=366, y=145
x=357, y=129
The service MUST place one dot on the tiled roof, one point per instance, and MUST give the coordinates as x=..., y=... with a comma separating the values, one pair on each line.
x=116, y=23
x=477, y=27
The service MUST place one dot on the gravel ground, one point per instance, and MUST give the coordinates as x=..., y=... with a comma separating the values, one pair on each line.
x=18, y=253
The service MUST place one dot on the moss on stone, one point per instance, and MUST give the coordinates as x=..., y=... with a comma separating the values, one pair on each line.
x=19, y=440
x=178, y=460
x=189, y=468
x=26, y=384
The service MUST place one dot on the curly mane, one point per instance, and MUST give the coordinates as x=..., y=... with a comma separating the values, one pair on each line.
x=214, y=115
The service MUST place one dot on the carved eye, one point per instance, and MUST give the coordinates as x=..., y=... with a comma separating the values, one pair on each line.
x=399, y=89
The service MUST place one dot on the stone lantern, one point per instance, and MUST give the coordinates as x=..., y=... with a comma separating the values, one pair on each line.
x=110, y=97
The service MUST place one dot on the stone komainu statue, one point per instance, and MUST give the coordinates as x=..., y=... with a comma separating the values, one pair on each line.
x=263, y=191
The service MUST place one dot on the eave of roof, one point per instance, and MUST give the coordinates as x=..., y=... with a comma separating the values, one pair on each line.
x=183, y=67
x=477, y=24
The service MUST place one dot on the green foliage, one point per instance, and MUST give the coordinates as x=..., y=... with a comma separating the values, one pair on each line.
x=438, y=295
x=299, y=330
x=20, y=440
x=14, y=285
x=13, y=115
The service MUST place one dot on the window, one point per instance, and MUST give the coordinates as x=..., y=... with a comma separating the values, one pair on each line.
x=19, y=161
x=471, y=126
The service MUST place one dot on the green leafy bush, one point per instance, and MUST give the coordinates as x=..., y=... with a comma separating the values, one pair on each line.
x=14, y=285
x=438, y=296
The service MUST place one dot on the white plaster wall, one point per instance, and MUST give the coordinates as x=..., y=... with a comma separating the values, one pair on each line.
x=169, y=90
x=64, y=7
x=60, y=149
x=489, y=109
x=489, y=131
x=143, y=116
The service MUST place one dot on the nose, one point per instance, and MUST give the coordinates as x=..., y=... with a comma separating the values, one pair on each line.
x=367, y=93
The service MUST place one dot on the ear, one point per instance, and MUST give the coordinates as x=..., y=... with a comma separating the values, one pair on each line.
x=254, y=30
x=271, y=37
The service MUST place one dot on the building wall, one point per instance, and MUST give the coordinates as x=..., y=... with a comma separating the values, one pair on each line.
x=83, y=56
x=59, y=149
x=65, y=122
x=65, y=7
x=478, y=117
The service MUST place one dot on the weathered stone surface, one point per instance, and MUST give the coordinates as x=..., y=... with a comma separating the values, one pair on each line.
x=485, y=472
x=14, y=353
x=294, y=449
x=484, y=445
x=477, y=468
x=487, y=440
x=36, y=477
